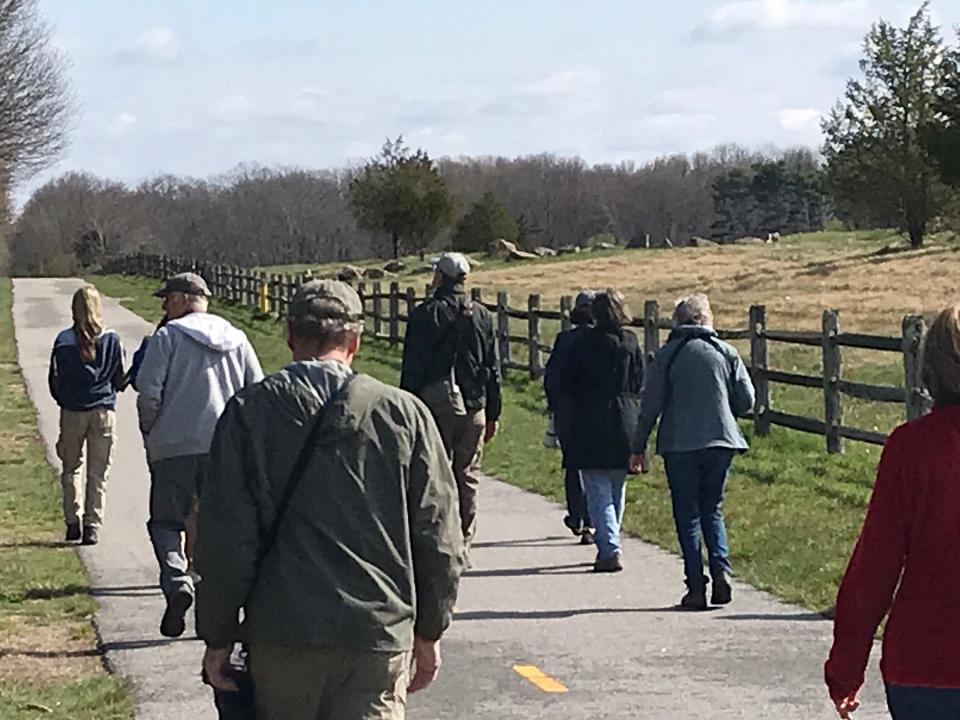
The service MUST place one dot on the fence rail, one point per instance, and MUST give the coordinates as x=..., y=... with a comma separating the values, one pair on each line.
x=387, y=309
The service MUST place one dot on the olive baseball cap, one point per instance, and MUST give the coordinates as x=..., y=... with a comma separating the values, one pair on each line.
x=308, y=302
x=188, y=283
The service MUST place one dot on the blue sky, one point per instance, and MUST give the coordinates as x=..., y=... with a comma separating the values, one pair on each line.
x=196, y=87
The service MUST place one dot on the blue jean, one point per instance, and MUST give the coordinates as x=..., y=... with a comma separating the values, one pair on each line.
x=605, y=491
x=696, y=480
x=923, y=703
x=577, y=515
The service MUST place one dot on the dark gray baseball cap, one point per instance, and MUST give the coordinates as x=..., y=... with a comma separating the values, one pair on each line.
x=307, y=304
x=585, y=298
x=188, y=282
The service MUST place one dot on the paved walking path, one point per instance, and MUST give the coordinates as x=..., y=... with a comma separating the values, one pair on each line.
x=615, y=642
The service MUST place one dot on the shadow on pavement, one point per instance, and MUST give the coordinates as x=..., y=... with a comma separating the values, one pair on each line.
x=574, y=569
x=552, y=541
x=790, y=617
x=555, y=614
x=144, y=644
x=125, y=591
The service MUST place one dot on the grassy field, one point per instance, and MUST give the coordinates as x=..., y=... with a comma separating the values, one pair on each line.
x=793, y=511
x=49, y=663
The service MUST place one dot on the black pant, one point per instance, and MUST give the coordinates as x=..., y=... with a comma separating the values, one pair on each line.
x=577, y=515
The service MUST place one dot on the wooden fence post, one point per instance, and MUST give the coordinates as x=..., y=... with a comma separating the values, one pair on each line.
x=362, y=292
x=377, y=310
x=651, y=330
x=533, y=335
x=394, y=313
x=832, y=371
x=914, y=329
x=411, y=306
x=566, y=305
x=758, y=369
x=503, y=329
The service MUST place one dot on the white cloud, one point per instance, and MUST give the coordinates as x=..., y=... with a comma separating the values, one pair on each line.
x=733, y=18
x=234, y=104
x=122, y=123
x=567, y=82
x=157, y=43
x=799, y=119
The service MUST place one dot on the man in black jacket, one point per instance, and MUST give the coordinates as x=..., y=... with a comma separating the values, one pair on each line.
x=451, y=361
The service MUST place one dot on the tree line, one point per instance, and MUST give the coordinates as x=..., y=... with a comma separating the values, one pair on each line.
x=401, y=202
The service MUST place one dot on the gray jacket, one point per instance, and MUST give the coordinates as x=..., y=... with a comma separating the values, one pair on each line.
x=192, y=367
x=697, y=385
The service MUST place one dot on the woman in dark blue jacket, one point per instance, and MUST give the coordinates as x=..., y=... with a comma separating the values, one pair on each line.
x=604, y=376
x=86, y=368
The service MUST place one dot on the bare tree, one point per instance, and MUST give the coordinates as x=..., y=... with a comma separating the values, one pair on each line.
x=35, y=98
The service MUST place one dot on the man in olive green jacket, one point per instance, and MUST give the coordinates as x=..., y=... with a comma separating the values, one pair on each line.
x=361, y=579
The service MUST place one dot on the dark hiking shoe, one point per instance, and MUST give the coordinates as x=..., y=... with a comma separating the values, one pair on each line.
x=90, y=535
x=73, y=532
x=610, y=564
x=694, y=600
x=174, y=617
x=586, y=537
x=573, y=526
x=722, y=593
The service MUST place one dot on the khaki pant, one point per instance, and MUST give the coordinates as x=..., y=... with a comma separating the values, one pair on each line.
x=305, y=683
x=463, y=440
x=94, y=429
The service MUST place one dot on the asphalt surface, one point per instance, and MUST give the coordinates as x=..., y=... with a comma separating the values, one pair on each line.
x=536, y=635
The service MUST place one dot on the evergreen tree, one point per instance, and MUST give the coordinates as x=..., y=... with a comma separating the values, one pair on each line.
x=879, y=169
x=486, y=222
x=401, y=193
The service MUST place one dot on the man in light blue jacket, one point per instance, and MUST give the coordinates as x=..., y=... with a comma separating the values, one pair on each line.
x=192, y=366
x=697, y=385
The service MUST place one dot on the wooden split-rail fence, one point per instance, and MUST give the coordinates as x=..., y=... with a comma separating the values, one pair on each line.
x=387, y=307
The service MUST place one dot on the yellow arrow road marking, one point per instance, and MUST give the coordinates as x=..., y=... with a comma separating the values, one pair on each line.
x=539, y=678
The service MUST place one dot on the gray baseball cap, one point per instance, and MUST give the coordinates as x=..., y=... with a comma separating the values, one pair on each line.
x=188, y=282
x=453, y=265
x=306, y=303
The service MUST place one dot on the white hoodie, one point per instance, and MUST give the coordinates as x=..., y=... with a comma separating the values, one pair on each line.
x=192, y=367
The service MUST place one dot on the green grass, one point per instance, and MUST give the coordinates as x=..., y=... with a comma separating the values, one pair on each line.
x=793, y=511
x=45, y=606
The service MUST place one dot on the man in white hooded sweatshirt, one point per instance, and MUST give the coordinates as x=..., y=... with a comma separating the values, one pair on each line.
x=193, y=365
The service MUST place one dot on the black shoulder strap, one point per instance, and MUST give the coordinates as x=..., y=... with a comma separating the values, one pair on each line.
x=293, y=480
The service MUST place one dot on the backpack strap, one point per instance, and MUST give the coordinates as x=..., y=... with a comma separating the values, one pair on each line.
x=731, y=361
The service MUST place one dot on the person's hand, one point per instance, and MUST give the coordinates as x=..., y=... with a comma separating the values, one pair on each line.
x=846, y=706
x=216, y=668
x=638, y=463
x=490, y=430
x=424, y=664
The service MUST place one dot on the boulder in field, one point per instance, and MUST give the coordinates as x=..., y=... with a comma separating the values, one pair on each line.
x=749, y=241
x=696, y=241
x=394, y=266
x=603, y=246
x=568, y=250
x=502, y=249
x=374, y=274
x=545, y=251
x=522, y=255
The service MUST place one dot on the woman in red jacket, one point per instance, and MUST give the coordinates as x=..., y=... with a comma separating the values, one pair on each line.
x=907, y=560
